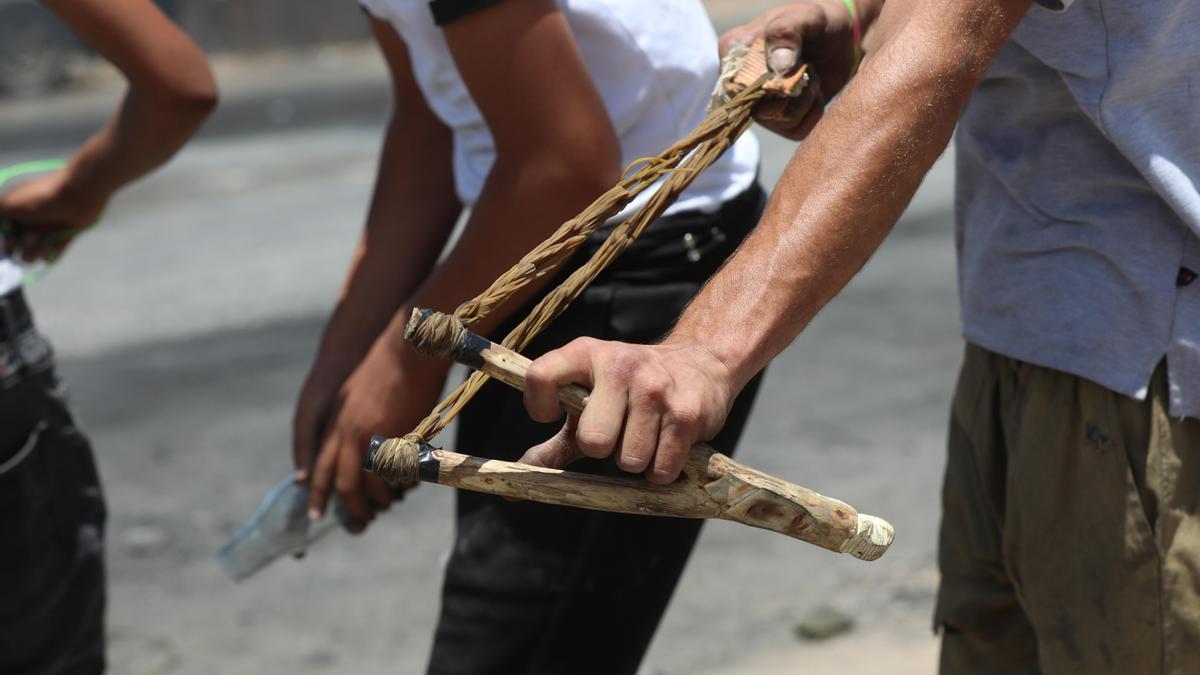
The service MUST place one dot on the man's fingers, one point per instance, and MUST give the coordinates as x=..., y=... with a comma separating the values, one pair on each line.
x=571, y=364
x=647, y=399
x=304, y=437
x=679, y=429
x=770, y=110
x=30, y=243
x=56, y=249
x=799, y=115
x=557, y=453
x=349, y=483
x=379, y=493
x=601, y=422
x=809, y=97
x=800, y=129
x=320, y=479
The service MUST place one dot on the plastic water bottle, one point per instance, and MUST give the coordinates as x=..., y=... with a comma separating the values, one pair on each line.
x=279, y=527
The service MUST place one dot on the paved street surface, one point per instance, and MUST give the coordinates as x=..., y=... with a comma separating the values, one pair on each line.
x=185, y=324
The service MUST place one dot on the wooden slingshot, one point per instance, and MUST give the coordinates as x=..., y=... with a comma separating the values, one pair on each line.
x=712, y=485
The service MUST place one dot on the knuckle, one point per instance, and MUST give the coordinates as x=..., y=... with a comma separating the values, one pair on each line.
x=584, y=343
x=650, y=390
x=538, y=374
x=783, y=28
x=595, y=444
x=622, y=363
x=671, y=463
x=683, y=416
x=665, y=472
x=632, y=463
x=345, y=485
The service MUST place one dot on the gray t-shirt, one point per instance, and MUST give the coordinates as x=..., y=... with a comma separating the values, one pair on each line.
x=1078, y=197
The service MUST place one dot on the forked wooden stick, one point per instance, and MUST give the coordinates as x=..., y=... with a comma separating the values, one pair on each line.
x=711, y=486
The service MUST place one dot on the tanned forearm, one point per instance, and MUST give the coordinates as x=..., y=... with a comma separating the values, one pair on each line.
x=171, y=91
x=412, y=213
x=848, y=183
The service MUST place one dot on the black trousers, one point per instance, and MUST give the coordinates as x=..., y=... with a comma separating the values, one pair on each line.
x=51, y=515
x=532, y=588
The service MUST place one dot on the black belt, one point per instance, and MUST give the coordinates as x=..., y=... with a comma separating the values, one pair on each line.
x=689, y=242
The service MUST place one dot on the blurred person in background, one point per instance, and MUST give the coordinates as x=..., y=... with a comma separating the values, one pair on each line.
x=524, y=111
x=52, y=511
x=1070, y=536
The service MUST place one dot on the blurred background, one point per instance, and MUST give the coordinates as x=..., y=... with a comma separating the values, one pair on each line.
x=185, y=324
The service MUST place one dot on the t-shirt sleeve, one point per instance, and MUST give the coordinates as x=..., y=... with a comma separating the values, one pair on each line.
x=445, y=11
x=373, y=7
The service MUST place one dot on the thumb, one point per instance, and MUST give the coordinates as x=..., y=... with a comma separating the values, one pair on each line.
x=782, y=38
x=558, y=452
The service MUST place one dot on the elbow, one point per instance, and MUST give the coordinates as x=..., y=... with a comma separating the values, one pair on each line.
x=575, y=165
x=188, y=95
x=196, y=99
x=596, y=174
x=588, y=167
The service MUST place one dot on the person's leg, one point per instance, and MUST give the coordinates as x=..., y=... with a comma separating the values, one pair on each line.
x=1063, y=481
x=51, y=523
x=1079, y=539
x=1170, y=482
x=984, y=629
x=528, y=586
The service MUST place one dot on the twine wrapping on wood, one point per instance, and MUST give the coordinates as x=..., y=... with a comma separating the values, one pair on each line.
x=676, y=168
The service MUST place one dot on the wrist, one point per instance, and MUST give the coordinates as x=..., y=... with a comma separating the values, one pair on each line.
x=83, y=182
x=332, y=367
x=729, y=366
x=406, y=356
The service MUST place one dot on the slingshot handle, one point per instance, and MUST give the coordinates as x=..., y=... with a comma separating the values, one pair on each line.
x=711, y=485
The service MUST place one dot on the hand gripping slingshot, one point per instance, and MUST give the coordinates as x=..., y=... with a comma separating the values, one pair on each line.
x=712, y=485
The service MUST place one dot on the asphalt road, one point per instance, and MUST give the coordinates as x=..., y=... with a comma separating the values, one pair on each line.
x=185, y=324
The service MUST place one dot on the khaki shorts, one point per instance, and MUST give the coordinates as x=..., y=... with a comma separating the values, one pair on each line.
x=1070, y=538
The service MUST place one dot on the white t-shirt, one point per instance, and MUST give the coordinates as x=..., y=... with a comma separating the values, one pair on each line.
x=654, y=64
x=10, y=272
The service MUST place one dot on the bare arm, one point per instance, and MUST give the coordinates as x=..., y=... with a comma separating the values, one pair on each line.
x=846, y=186
x=412, y=213
x=839, y=196
x=171, y=91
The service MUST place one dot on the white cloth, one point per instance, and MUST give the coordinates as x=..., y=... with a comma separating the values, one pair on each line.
x=654, y=64
x=10, y=272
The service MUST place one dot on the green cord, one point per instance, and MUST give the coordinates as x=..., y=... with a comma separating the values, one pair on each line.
x=26, y=168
